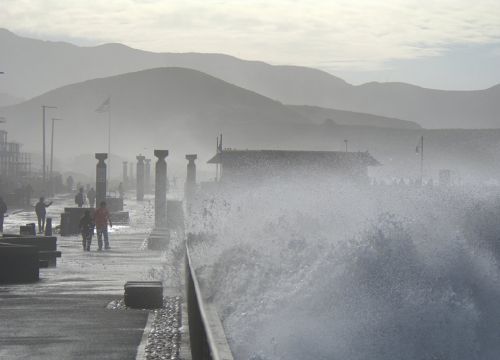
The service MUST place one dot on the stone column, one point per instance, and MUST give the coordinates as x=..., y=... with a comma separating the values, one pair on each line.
x=100, y=178
x=125, y=175
x=131, y=176
x=140, y=178
x=161, y=189
x=190, y=186
x=147, y=176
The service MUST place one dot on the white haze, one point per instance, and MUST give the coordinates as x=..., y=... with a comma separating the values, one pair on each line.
x=324, y=270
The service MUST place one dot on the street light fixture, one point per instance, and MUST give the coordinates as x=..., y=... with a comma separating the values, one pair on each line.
x=43, y=141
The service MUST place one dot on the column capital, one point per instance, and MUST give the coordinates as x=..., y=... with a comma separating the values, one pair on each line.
x=191, y=157
x=101, y=156
x=161, y=154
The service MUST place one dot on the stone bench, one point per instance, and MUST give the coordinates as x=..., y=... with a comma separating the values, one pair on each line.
x=47, y=243
x=18, y=264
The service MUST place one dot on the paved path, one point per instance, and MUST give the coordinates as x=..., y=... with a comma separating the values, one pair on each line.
x=64, y=315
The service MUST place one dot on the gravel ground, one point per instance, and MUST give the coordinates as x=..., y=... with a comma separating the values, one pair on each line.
x=164, y=339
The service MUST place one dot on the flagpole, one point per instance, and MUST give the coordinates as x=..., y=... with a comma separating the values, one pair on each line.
x=422, y=160
x=109, y=142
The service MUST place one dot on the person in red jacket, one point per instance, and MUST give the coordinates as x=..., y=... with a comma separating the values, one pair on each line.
x=101, y=220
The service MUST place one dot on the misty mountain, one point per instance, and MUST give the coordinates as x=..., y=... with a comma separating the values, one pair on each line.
x=183, y=110
x=341, y=117
x=157, y=108
x=8, y=99
x=34, y=67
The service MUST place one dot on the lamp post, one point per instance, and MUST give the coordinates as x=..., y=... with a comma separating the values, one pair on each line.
x=43, y=144
x=52, y=153
x=346, y=141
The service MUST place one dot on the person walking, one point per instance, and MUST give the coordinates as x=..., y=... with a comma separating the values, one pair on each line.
x=80, y=198
x=41, y=212
x=101, y=219
x=91, y=197
x=3, y=210
x=87, y=230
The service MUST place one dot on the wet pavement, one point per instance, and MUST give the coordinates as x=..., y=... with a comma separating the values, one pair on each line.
x=65, y=314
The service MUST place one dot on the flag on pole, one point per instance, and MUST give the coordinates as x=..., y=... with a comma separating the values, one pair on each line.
x=105, y=106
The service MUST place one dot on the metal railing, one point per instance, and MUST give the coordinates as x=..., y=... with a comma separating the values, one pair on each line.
x=207, y=337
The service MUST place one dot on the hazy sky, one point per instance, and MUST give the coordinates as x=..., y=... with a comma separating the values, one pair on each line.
x=449, y=44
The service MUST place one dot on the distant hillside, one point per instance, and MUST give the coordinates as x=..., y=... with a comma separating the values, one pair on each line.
x=183, y=110
x=33, y=67
x=8, y=99
x=157, y=108
x=319, y=115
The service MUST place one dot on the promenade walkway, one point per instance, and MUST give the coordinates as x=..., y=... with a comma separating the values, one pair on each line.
x=67, y=314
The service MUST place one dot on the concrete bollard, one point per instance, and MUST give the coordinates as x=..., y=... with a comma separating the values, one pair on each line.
x=100, y=178
x=140, y=178
x=48, y=226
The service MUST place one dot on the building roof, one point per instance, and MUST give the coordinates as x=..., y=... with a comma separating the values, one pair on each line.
x=291, y=157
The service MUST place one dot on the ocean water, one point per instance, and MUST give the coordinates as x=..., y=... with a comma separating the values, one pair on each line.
x=333, y=271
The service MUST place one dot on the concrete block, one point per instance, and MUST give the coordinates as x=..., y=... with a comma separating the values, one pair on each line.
x=42, y=243
x=120, y=218
x=28, y=229
x=18, y=264
x=50, y=257
x=159, y=239
x=70, y=220
x=144, y=294
x=46, y=246
x=114, y=204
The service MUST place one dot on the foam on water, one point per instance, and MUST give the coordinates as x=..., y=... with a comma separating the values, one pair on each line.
x=338, y=272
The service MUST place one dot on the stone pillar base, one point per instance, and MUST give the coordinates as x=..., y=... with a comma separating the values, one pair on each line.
x=159, y=239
